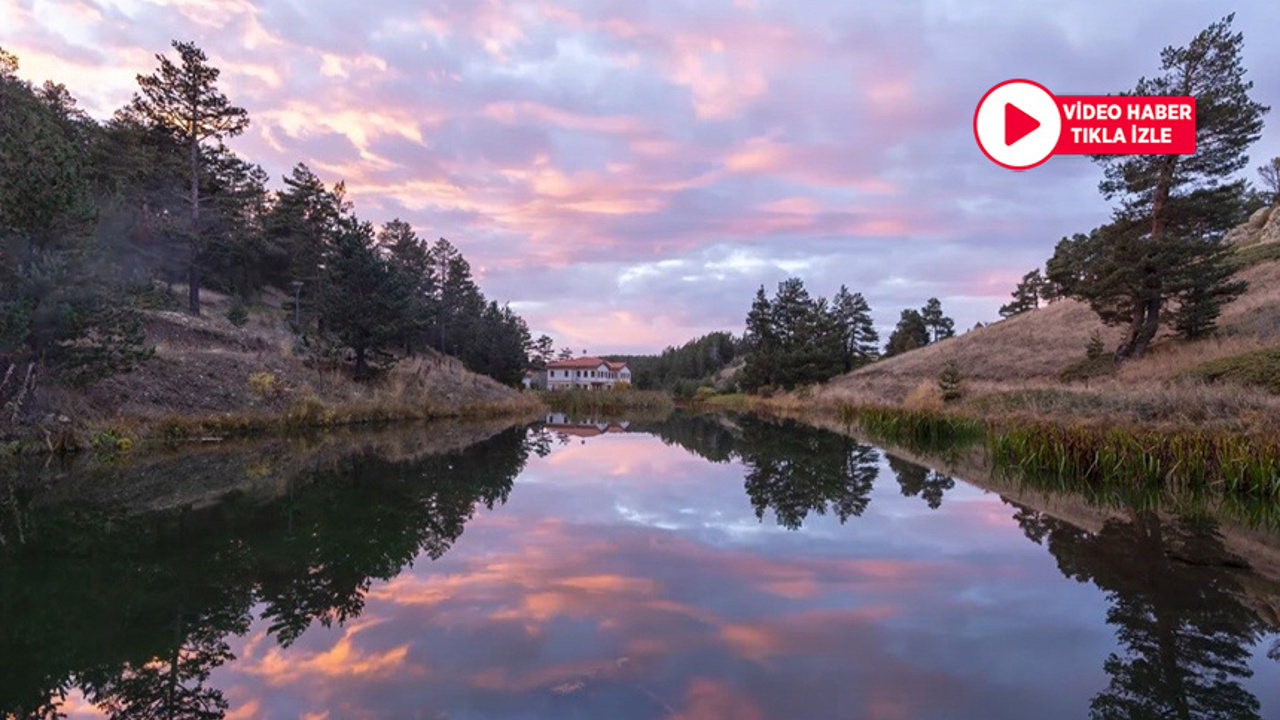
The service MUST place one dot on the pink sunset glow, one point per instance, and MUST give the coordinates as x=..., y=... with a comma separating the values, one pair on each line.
x=625, y=174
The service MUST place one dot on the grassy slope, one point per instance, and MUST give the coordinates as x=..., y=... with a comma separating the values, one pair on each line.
x=200, y=375
x=1015, y=364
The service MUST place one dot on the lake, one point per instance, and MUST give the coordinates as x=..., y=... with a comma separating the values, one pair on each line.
x=691, y=567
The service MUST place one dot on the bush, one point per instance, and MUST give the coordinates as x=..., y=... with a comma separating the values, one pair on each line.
x=110, y=441
x=1095, y=349
x=1259, y=368
x=950, y=381
x=926, y=396
x=266, y=386
x=238, y=314
x=705, y=393
x=1089, y=368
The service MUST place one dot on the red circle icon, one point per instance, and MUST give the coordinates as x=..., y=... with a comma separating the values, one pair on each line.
x=1017, y=124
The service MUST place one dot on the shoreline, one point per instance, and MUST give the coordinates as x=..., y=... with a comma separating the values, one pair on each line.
x=131, y=434
x=1084, y=454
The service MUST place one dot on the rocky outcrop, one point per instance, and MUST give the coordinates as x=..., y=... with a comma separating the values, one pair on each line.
x=1262, y=227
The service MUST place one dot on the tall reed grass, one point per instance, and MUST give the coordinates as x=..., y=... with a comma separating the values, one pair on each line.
x=1237, y=465
x=608, y=402
x=916, y=429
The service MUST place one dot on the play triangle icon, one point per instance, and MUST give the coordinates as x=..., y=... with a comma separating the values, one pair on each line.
x=1017, y=124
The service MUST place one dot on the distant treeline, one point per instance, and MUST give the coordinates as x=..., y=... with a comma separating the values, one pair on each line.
x=96, y=219
x=683, y=369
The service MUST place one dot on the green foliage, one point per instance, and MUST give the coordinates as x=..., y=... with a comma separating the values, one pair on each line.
x=1165, y=244
x=950, y=381
x=183, y=99
x=1089, y=368
x=365, y=300
x=695, y=361
x=924, y=430
x=63, y=299
x=1229, y=462
x=1095, y=348
x=110, y=441
x=1032, y=289
x=1269, y=174
x=911, y=332
x=939, y=325
x=1247, y=257
x=1259, y=368
x=596, y=402
x=237, y=313
x=794, y=339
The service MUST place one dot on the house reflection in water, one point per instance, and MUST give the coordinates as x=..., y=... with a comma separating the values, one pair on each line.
x=562, y=424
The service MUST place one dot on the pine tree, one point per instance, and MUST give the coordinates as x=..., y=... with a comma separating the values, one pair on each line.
x=761, y=340
x=411, y=256
x=936, y=321
x=858, y=337
x=184, y=99
x=950, y=381
x=365, y=302
x=1173, y=209
x=542, y=352
x=1095, y=349
x=910, y=333
x=302, y=223
x=1269, y=173
x=62, y=299
x=1027, y=295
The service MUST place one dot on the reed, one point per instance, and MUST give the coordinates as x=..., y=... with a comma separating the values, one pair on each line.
x=608, y=402
x=916, y=429
x=1230, y=464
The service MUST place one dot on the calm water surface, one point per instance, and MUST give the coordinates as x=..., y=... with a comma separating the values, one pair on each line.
x=693, y=568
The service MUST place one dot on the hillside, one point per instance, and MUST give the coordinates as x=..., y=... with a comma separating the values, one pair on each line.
x=208, y=376
x=1003, y=361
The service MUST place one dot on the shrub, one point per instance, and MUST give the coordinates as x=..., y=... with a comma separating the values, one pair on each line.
x=1259, y=368
x=266, y=386
x=1089, y=368
x=926, y=396
x=238, y=314
x=704, y=393
x=950, y=381
x=110, y=441
x=1095, y=349
x=309, y=411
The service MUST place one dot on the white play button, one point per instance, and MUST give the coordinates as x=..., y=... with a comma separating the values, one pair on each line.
x=1017, y=124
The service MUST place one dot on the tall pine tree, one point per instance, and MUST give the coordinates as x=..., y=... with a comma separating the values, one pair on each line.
x=1174, y=209
x=183, y=98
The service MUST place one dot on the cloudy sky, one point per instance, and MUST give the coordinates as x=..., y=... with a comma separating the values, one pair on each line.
x=625, y=173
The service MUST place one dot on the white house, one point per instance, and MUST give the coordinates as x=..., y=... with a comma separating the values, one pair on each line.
x=591, y=373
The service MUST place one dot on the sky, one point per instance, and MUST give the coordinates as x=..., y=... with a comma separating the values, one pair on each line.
x=626, y=173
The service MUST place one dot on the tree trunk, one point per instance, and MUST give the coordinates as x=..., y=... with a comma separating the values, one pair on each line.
x=362, y=367
x=193, y=247
x=1142, y=330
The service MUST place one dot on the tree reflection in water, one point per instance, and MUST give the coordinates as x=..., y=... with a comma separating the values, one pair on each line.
x=135, y=611
x=1179, y=612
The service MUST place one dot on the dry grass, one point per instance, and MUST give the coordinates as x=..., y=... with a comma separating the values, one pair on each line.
x=1011, y=368
x=926, y=396
x=207, y=378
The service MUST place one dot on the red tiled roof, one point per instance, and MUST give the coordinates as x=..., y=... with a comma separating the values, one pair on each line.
x=587, y=363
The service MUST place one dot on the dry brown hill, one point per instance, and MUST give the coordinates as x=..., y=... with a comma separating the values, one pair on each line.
x=1027, y=353
x=205, y=368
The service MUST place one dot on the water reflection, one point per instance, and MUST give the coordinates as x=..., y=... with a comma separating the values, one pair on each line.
x=631, y=571
x=1178, y=609
x=135, y=611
